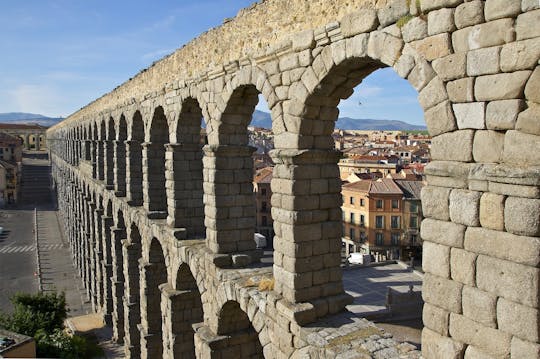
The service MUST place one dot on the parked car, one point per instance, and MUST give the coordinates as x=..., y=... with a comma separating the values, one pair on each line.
x=359, y=258
x=260, y=240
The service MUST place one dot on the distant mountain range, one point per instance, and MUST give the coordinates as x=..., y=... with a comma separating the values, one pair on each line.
x=260, y=119
x=22, y=117
x=263, y=119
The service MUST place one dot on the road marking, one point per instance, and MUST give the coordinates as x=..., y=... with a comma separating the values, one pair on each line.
x=30, y=248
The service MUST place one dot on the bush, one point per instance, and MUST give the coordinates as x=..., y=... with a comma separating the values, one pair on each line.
x=42, y=316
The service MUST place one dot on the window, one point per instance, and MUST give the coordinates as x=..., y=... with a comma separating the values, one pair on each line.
x=362, y=202
x=362, y=220
x=379, y=203
x=395, y=204
x=263, y=191
x=264, y=221
x=414, y=207
x=379, y=222
x=413, y=222
x=395, y=239
x=351, y=200
x=395, y=222
x=413, y=239
x=264, y=207
x=351, y=218
x=351, y=233
x=343, y=215
x=379, y=239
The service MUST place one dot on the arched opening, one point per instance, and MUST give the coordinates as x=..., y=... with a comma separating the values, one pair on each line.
x=120, y=158
x=107, y=265
x=153, y=275
x=93, y=148
x=132, y=304
x=117, y=281
x=234, y=323
x=134, y=169
x=108, y=146
x=228, y=162
x=184, y=310
x=100, y=151
x=155, y=195
x=185, y=208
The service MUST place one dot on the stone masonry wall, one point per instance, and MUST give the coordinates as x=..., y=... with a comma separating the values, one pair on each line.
x=476, y=67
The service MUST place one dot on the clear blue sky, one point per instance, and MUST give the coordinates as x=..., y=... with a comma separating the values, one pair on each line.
x=58, y=55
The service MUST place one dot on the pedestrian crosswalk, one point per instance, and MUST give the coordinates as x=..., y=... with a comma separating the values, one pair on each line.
x=29, y=248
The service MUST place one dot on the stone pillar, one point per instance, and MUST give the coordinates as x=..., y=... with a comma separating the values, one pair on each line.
x=134, y=173
x=180, y=310
x=306, y=207
x=151, y=326
x=98, y=259
x=132, y=305
x=92, y=267
x=108, y=170
x=37, y=142
x=229, y=204
x=183, y=164
x=117, y=282
x=100, y=159
x=107, y=269
x=119, y=168
x=93, y=157
x=154, y=194
x=27, y=141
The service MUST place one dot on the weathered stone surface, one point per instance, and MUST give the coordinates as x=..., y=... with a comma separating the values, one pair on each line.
x=480, y=306
x=520, y=55
x=435, y=346
x=433, y=94
x=426, y=6
x=474, y=353
x=524, y=349
x=492, y=211
x=421, y=75
x=436, y=319
x=489, y=340
x=440, y=263
x=435, y=202
x=483, y=61
x=522, y=216
x=502, y=115
x=470, y=115
x=488, y=146
x=498, y=276
x=493, y=33
x=453, y=146
x=451, y=67
x=433, y=47
x=446, y=233
x=497, y=9
x=442, y=292
x=518, y=320
x=514, y=190
x=527, y=120
x=463, y=266
x=440, y=21
x=461, y=90
x=358, y=22
x=392, y=12
x=526, y=25
x=532, y=90
x=527, y=5
x=464, y=207
x=385, y=47
x=501, y=86
x=414, y=29
x=469, y=13
x=440, y=119
x=503, y=245
x=517, y=148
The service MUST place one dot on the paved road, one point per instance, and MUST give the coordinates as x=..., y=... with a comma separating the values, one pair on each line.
x=17, y=261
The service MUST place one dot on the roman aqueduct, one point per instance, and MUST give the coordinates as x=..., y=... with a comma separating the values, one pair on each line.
x=161, y=225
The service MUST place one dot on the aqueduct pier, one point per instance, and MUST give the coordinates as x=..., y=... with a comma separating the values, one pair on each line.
x=161, y=226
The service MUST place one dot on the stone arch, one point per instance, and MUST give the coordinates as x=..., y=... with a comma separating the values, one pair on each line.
x=132, y=253
x=234, y=323
x=154, y=193
x=182, y=311
x=134, y=165
x=153, y=276
x=100, y=149
x=184, y=163
x=118, y=237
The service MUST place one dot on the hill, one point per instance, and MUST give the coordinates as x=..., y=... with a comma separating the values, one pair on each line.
x=263, y=119
x=23, y=117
